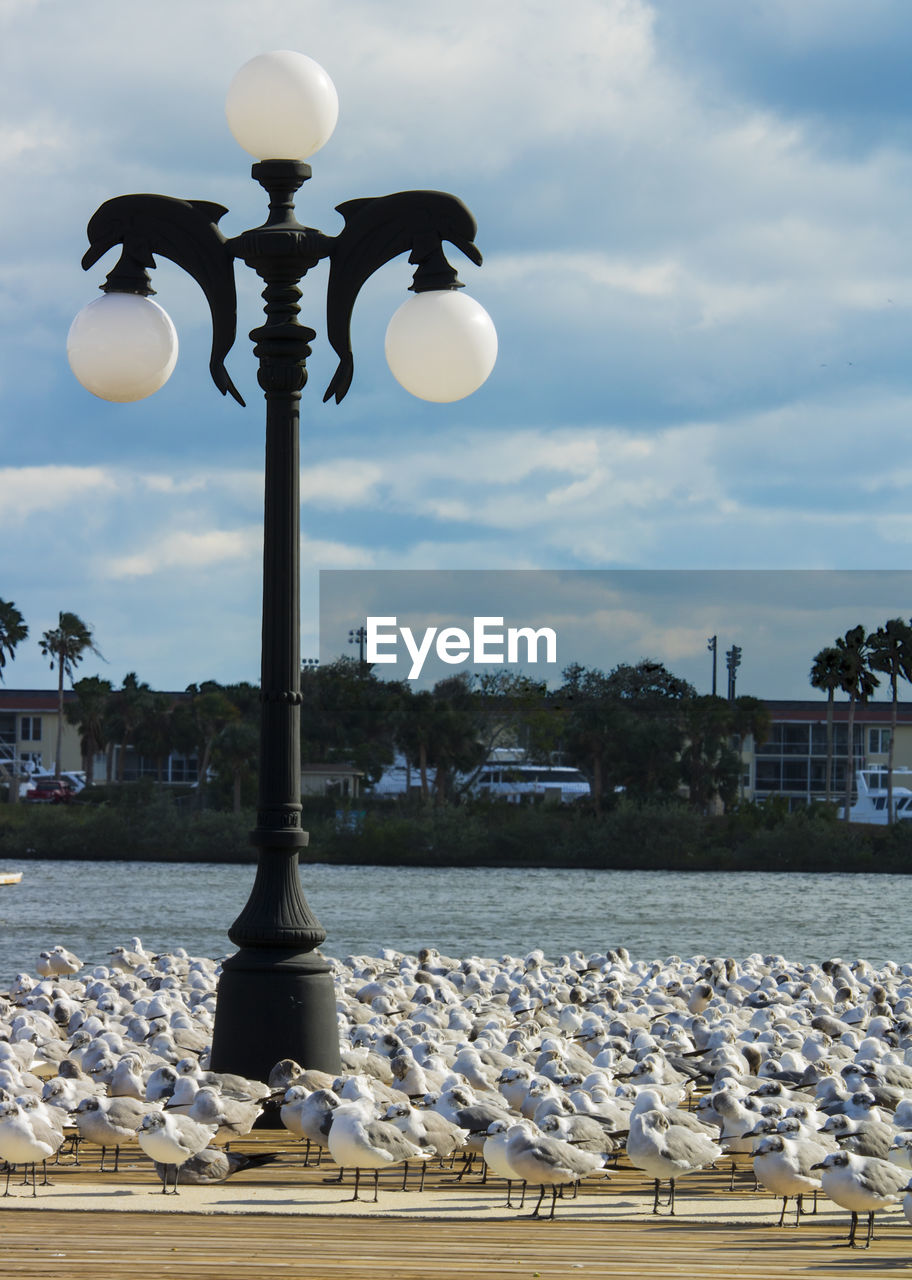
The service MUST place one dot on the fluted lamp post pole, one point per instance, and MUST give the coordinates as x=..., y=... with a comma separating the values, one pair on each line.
x=276, y=997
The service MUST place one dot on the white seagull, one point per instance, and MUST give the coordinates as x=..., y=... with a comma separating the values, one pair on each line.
x=358, y=1142
x=547, y=1161
x=666, y=1150
x=171, y=1140
x=861, y=1184
x=785, y=1167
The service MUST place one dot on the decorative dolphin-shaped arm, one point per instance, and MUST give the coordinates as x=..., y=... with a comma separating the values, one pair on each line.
x=377, y=230
x=186, y=232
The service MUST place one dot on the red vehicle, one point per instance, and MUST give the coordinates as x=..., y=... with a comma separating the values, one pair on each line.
x=51, y=790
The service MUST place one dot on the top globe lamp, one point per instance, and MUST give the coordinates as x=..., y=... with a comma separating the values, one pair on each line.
x=281, y=106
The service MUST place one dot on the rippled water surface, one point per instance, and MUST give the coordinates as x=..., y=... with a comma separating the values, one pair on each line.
x=92, y=906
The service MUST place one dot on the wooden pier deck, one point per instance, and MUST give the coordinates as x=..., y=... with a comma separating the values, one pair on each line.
x=284, y=1219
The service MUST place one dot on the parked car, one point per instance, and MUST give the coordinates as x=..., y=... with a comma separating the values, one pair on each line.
x=51, y=790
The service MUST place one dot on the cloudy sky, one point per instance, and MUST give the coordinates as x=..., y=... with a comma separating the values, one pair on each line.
x=695, y=216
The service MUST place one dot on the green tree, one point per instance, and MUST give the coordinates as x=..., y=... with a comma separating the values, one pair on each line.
x=199, y=720
x=348, y=716
x=442, y=730
x=891, y=653
x=88, y=714
x=153, y=729
x=595, y=730
x=66, y=645
x=624, y=729
x=13, y=631
x=709, y=765
x=750, y=717
x=826, y=675
x=127, y=708
x=859, y=682
x=235, y=755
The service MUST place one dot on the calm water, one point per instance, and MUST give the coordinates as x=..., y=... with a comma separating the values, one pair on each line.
x=92, y=906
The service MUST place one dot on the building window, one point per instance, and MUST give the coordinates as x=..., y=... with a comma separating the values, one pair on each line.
x=31, y=729
x=879, y=741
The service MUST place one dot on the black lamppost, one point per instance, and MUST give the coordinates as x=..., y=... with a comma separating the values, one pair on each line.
x=732, y=662
x=276, y=996
x=358, y=636
x=712, y=645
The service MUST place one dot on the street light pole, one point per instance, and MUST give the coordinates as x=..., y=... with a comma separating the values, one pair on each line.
x=358, y=636
x=276, y=996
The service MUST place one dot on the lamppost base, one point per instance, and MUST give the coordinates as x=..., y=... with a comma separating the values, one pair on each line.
x=275, y=1003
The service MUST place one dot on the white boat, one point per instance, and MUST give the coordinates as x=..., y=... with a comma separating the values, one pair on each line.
x=10, y=877
x=871, y=802
x=518, y=782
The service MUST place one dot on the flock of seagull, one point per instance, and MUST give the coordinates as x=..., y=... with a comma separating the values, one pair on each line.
x=540, y=1073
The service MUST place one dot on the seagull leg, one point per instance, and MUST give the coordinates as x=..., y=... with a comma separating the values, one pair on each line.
x=655, y=1199
x=376, y=1181
x=357, y=1180
x=541, y=1196
x=870, y=1236
x=116, y=1158
x=553, y=1202
x=785, y=1201
x=671, y=1198
x=852, y=1229
x=9, y=1170
x=101, y=1167
x=423, y=1171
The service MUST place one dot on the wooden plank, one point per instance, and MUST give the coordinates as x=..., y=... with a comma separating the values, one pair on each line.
x=118, y=1246
x=45, y=1243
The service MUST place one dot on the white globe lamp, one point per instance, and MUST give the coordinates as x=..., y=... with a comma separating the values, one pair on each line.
x=281, y=106
x=122, y=347
x=441, y=345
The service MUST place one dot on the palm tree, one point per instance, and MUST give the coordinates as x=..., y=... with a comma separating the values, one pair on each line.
x=235, y=753
x=127, y=708
x=153, y=733
x=859, y=682
x=891, y=652
x=88, y=714
x=825, y=675
x=66, y=645
x=13, y=631
x=197, y=723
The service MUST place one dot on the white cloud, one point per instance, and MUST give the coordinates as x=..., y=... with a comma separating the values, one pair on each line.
x=29, y=491
x=187, y=552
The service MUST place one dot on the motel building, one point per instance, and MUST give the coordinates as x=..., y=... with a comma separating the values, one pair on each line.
x=791, y=763
x=28, y=743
